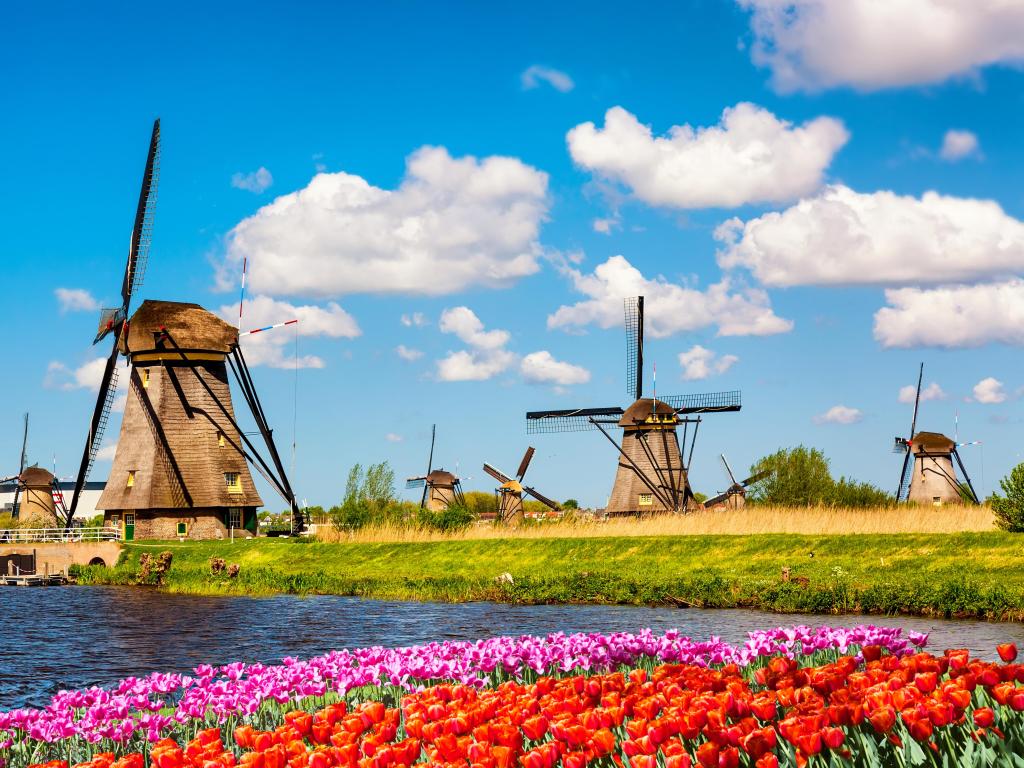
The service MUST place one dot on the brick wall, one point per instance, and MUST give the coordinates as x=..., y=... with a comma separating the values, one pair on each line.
x=202, y=523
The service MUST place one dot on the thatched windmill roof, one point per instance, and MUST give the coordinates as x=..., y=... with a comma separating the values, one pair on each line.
x=189, y=325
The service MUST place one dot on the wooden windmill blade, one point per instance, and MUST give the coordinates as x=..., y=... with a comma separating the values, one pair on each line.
x=496, y=473
x=572, y=420
x=541, y=498
x=907, y=469
x=705, y=402
x=634, y=309
x=415, y=482
x=525, y=463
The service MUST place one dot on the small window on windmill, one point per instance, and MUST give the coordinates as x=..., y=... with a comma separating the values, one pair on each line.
x=936, y=501
x=234, y=517
x=182, y=529
x=131, y=478
x=220, y=439
x=145, y=378
x=233, y=481
x=646, y=499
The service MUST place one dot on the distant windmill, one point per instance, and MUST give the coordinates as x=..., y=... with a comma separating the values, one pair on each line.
x=181, y=468
x=37, y=496
x=510, y=493
x=653, y=466
x=441, y=489
x=928, y=475
x=735, y=495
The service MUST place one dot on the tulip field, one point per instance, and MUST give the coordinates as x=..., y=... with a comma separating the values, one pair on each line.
x=799, y=696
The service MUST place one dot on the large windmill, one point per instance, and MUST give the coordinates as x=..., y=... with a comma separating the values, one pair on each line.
x=928, y=475
x=181, y=467
x=735, y=496
x=441, y=489
x=510, y=492
x=653, y=465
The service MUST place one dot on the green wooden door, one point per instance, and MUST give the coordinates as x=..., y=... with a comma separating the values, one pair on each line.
x=129, y=526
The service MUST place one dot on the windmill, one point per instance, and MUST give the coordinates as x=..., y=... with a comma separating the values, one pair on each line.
x=735, y=496
x=653, y=465
x=928, y=475
x=441, y=489
x=510, y=493
x=181, y=467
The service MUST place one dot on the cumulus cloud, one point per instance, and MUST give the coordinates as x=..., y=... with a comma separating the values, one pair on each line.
x=751, y=156
x=408, y=354
x=952, y=316
x=989, y=391
x=932, y=392
x=699, y=363
x=257, y=181
x=275, y=348
x=843, y=237
x=542, y=368
x=391, y=437
x=815, y=44
x=537, y=75
x=86, y=376
x=956, y=145
x=107, y=452
x=75, y=300
x=605, y=226
x=839, y=414
x=414, y=320
x=487, y=356
x=451, y=223
x=668, y=308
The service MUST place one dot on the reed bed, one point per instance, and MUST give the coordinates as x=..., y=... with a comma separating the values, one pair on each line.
x=820, y=520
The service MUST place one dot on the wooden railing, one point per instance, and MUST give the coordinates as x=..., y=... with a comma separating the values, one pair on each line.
x=57, y=535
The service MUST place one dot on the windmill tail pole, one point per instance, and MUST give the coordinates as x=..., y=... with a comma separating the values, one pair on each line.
x=241, y=295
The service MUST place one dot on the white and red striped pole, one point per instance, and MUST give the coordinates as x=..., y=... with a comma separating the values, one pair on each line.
x=241, y=296
x=268, y=327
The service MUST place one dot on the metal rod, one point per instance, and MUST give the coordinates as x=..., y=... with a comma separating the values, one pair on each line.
x=967, y=477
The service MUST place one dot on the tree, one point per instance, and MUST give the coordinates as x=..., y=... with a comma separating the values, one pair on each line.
x=1009, y=509
x=800, y=477
x=570, y=504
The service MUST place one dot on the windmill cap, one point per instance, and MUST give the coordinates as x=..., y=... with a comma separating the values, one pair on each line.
x=932, y=442
x=36, y=476
x=642, y=409
x=441, y=477
x=190, y=326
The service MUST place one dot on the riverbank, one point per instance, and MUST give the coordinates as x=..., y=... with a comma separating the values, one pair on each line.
x=974, y=575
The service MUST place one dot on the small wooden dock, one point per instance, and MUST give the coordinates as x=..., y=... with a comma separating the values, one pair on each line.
x=33, y=580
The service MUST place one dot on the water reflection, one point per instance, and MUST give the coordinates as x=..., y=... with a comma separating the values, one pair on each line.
x=70, y=637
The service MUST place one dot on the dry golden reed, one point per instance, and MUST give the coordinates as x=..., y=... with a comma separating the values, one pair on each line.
x=749, y=520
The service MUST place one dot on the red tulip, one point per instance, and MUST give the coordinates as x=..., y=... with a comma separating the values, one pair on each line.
x=1007, y=652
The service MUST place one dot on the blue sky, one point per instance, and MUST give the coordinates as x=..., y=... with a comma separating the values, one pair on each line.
x=866, y=237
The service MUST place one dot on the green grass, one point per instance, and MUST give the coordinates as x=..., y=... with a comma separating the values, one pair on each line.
x=968, y=574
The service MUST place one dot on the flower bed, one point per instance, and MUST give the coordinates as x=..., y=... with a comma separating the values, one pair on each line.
x=864, y=696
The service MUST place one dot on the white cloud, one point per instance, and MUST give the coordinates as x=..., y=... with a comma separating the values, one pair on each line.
x=474, y=365
x=486, y=359
x=107, y=452
x=408, y=354
x=86, y=376
x=843, y=237
x=952, y=316
x=75, y=300
x=932, y=392
x=605, y=226
x=956, y=145
x=536, y=75
x=872, y=44
x=451, y=223
x=751, y=156
x=669, y=308
x=414, y=320
x=257, y=181
x=464, y=323
x=699, y=363
x=989, y=391
x=541, y=368
x=839, y=414
x=391, y=437
x=275, y=347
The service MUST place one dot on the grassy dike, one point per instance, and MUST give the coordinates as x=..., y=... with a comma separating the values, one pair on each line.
x=968, y=574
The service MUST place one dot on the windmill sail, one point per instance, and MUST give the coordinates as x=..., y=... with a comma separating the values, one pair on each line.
x=635, y=346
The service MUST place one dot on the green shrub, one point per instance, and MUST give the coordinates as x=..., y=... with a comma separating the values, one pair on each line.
x=800, y=477
x=1009, y=509
x=454, y=517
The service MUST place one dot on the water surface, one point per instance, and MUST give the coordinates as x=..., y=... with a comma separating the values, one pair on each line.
x=70, y=637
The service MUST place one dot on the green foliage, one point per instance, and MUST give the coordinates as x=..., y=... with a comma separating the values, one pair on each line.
x=480, y=502
x=370, y=497
x=1009, y=509
x=455, y=517
x=570, y=504
x=800, y=477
